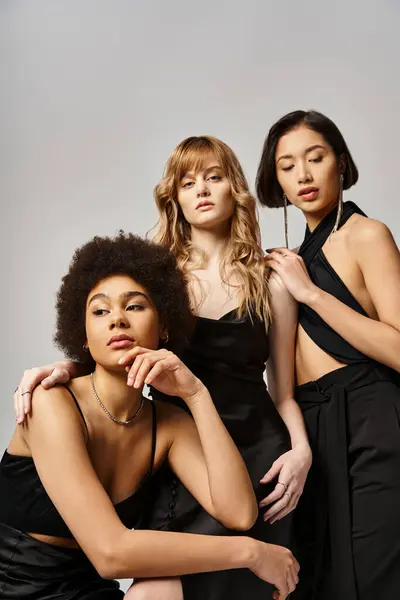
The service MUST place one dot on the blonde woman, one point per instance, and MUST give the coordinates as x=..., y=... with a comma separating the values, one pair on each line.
x=208, y=219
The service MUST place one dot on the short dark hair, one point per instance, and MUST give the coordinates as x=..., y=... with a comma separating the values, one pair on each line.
x=269, y=191
x=151, y=265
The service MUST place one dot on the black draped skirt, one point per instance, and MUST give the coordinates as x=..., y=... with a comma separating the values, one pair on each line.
x=347, y=523
x=33, y=570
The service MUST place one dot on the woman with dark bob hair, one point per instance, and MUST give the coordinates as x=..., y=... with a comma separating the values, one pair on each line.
x=70, y=492
x=346, y=279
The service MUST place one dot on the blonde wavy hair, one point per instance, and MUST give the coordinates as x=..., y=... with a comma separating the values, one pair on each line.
x=244, y=256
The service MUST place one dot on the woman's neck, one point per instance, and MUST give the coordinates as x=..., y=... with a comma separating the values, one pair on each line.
x=121, y=400
x=213, y=244
x=314, y=219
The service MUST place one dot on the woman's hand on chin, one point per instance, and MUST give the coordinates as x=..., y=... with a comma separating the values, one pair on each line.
x=164, y=371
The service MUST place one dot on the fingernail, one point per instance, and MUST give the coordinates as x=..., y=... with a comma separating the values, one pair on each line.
x=130, y=381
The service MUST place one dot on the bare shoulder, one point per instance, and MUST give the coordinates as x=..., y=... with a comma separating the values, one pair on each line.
x=172, y=423
x=53, y=405
x=57, y=394
x=169, y=415
x=364, y=231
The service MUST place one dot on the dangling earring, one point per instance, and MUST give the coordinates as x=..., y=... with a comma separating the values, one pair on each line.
x=339, y=208
x=165, y=340
x=85, y=348
x=285, y=216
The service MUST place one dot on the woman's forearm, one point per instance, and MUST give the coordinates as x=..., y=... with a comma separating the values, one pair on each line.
x=291, y=414
x=379, y=341
x=143, y=554
x=231, y=489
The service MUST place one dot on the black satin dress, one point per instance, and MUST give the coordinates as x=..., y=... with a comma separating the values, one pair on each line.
x=347, y=523
x=229, y=356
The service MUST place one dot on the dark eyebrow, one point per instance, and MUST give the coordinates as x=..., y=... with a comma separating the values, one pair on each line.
x=124, y=295
x=309, y=149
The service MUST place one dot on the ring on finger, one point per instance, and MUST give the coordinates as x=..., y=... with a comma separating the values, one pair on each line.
x=16, y=389
x=288, y=494
x=285, y=485
x=23, y=393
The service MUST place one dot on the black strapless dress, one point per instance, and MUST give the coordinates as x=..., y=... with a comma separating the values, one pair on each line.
x=347, y=523
x=229, y=356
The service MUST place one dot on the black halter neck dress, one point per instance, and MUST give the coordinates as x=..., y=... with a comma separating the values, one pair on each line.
x=347, y=524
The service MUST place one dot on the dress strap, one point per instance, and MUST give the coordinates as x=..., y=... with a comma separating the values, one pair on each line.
x=154, y=436
x=77, y=406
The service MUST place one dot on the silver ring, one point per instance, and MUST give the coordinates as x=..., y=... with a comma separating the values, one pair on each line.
x=23, y=393
x=16, y=389
x=288, y=494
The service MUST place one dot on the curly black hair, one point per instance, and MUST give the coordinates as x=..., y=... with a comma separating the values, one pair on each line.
x=151, y=265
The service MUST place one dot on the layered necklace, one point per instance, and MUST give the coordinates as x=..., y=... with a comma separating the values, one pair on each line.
x=109, y=415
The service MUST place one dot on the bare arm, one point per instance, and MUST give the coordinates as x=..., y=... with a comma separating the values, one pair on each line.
x=208, y=463
x=202, y=453
x=281, y=365
x=56, y=438
x=292, y=467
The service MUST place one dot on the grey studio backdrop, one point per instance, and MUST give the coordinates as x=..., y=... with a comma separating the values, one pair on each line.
x=95, y=94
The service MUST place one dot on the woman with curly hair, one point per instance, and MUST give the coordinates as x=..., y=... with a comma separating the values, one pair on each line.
x=70, y=491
